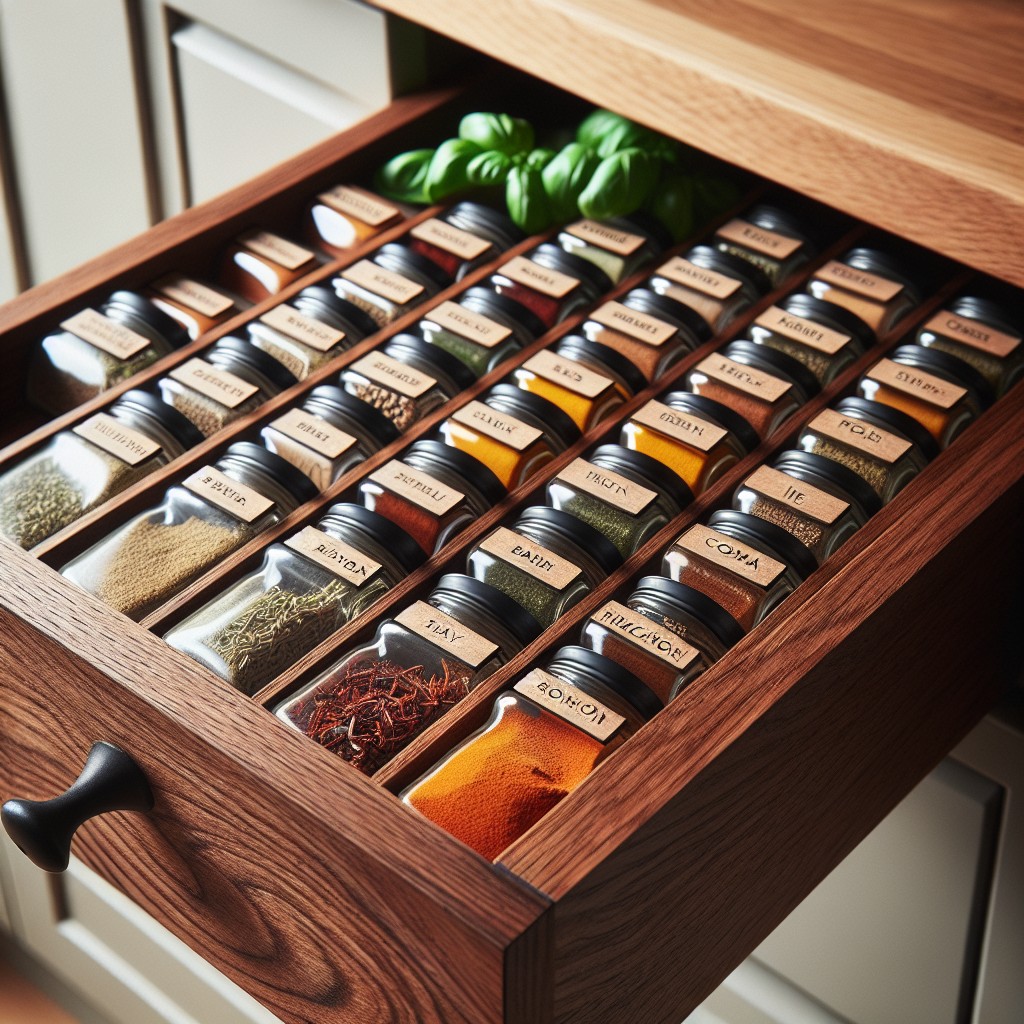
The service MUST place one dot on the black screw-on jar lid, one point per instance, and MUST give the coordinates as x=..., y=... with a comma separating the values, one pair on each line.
x=580, y=661
x=732, y=266
x=325, y=305
x=894, y=419
x=501, y=308
x=778, y=364
x=710, y=408
x=535, y=410
x=484, y=222
x=772, y=218
x=333, y=404
x=400, y=259
x=457, y=589
x=231, y=352
x=135, y=305
x=549, y=255
x=822, y=472
x=345, y=519
x=664, y=307
x=414, y=351
x=643, y=223
x=973, y=307
x=574, y=531
x=828, y=314
x=644, y=470
x=575, y=346
x=765, y=537
x=946, y=366
x=292, y=479
x=875, y=261
x=429, y=455
x=678, y=598
x=147, y=405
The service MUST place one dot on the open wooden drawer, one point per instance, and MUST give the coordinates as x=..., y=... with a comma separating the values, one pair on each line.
x=316, y=890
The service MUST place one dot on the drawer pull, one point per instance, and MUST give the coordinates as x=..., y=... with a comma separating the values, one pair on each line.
x=42, y=829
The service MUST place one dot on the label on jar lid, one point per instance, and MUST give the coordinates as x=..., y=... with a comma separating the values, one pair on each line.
x=497, y=425
x=532, y=558
x=882, y=289
x=610, y=487
x=314, y=433
x=198, y=297
x=116, y=439
x=807, y=332
x=973, y=333
x=576, y=706
x=380, y=281
x=289, y=321
x=363, y=206
x=391, y=373
x=809, y=501
x=273, y=247
x=735, y=556
x=103, y=333
x=865, y=437
x=423, y=490
x=750, y=236
x=449, y=634
x=641, y=326
x=911, y=381
x=710, y=282
x=238, y=500
x=337, y=557
x=466, y=324
x=623, y=243
x=680, y=426
x=574, y=376
x=744, y=378
x=451, y=239
x=552, y=283
x=223, y=387
x=646, y=634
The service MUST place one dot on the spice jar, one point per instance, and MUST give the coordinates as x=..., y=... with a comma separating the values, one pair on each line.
x=79, y=469
x=157, y=553
x=981, y=333
x=543, y=738
x=481, y=328
x=258, y=264
x=308, y=586
x=546, y=562
x=764, y=386
x=824, y=337
x=943, y=393
x=329, y=434
x=311, y=330
x=714, y=284
x=96, y=349
x=198, y=307
x=389, y=283
x=626, y=495
x=744, y=564
x=652, y=331
x=344, y=216
x=230, y=379
x=768, y=238
x=884, y=446
x=665, y=634
x=619, y=246
x=817, y=500
x=379, y=697
x=432, y=492
x=550, y=282
x=870, y=284
x=695, y=437
x=512, y=432
x=406, y=379
x=463, y=238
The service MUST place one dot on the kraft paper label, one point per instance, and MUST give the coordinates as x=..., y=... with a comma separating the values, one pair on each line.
x=221, y=386
x=576, y=377
x=289, y=321
x=391, y=373
x=646, y=634
x=451, y=239
x=710, y=282
x=354, y=202
x=641, y=326
x=314, y=433
x=337, y=557
x=744, y=378
x=103, y=333
x=380, y=281
x=734, y=556
x=497, y=425
x=865, y=437
x=604, y=236
x=610, y=487
x=418, y=487
x=198, y=297
x=571, y=703
x=552, y=283
x=809, y=501
x=679, y=425
x=450, y=635
x=116, y=439
x=973, y=333
x=882, y=289
x=911, y=381
x=228, y=495
x=534, y=559
x=807, y=332
x=467, y=324
x=750, y=236
x=273, y=247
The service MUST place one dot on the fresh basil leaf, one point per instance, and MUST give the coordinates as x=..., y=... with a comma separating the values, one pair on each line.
x=526, y=199
x=566, y=176
x=619, y=185
x=502, y=132
x=489, y=168
x=448, y=169
x=404, y=176
x=672, y=204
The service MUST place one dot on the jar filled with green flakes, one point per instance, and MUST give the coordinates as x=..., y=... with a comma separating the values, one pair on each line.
x=768, y=238
x=308, y=586
x=214, y=511
x=79, y=469
x=619, y=246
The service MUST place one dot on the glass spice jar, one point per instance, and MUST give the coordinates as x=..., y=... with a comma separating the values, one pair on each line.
x=376, y=699
x=230, y=379
x=744, y=564
x=665, y=634
x=512, y=432
x=214, y=511
x=543, y=738
x=481, y=328
x=824, y=337
x=329, y=434
x=463, y=238
x=343, y=216
x=307, y=587
x=97, y=348
x=311, y=330
x=433, y=492
x=198, y=307
x=817, y=500
x=619, y=246
x=79, y=469
x=258, y=264
x=886, y=447
x=546, y=562
x=764, y=386
x=626, y=495
x=696, y=438
x=768, y=238
x=943, y=393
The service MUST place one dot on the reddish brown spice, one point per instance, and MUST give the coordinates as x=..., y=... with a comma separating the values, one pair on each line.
x=422, y=525
x=545, y=307
x=447, y=261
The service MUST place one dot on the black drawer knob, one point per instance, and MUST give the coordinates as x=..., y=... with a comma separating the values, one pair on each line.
x=42, y=829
